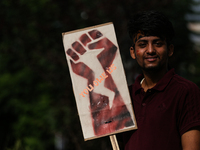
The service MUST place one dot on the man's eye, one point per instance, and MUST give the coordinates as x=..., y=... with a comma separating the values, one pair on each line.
x=142, y=45
x=159, y=44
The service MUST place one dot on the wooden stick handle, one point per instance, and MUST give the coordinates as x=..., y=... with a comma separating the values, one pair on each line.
x=114, y=142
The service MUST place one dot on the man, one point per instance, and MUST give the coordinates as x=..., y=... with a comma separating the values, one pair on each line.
x=166, y=106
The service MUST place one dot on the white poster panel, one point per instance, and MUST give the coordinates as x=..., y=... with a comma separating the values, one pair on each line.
x=99, y=82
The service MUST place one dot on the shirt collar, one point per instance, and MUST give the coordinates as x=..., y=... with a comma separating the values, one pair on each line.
x=162, y=83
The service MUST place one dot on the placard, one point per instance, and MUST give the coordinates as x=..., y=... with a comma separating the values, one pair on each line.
x=99, y=83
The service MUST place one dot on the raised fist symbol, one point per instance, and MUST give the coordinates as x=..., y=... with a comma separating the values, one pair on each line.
x=92, y=58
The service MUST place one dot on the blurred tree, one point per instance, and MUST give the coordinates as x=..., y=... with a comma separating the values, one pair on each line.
x=192, y=17
x=37, y=106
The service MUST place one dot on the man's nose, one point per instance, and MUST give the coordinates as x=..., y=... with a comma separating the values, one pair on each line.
x=150, y=49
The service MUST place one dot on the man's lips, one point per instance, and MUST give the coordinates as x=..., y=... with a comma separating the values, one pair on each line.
x=151, y=58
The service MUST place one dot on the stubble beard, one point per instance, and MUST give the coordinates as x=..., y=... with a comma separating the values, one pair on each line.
x=153, y=69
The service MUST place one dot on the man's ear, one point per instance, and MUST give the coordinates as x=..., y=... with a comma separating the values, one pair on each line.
x=132, y=52
x=170, y=50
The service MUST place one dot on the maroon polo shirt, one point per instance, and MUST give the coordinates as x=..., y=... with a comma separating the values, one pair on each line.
x=163, y=113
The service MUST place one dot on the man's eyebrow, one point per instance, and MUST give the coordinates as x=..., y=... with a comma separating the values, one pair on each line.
x=144, y=40
x=158, y=40
x=141, y=40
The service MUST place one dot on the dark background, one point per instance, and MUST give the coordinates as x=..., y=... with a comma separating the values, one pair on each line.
x=37, y=105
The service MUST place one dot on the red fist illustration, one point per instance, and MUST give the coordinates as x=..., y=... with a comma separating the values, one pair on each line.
x=92, y=58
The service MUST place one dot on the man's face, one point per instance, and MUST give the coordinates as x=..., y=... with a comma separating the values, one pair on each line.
x=151, y=53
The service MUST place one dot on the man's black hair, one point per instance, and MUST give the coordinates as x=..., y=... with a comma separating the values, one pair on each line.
x=151, y=23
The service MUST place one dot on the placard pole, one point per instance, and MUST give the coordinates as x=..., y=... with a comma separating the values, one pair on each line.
x=114, y=142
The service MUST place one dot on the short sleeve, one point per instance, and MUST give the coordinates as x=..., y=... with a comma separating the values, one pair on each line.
x=189, y=108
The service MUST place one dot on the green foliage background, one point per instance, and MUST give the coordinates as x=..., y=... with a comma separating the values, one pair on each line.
x=36, y=98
